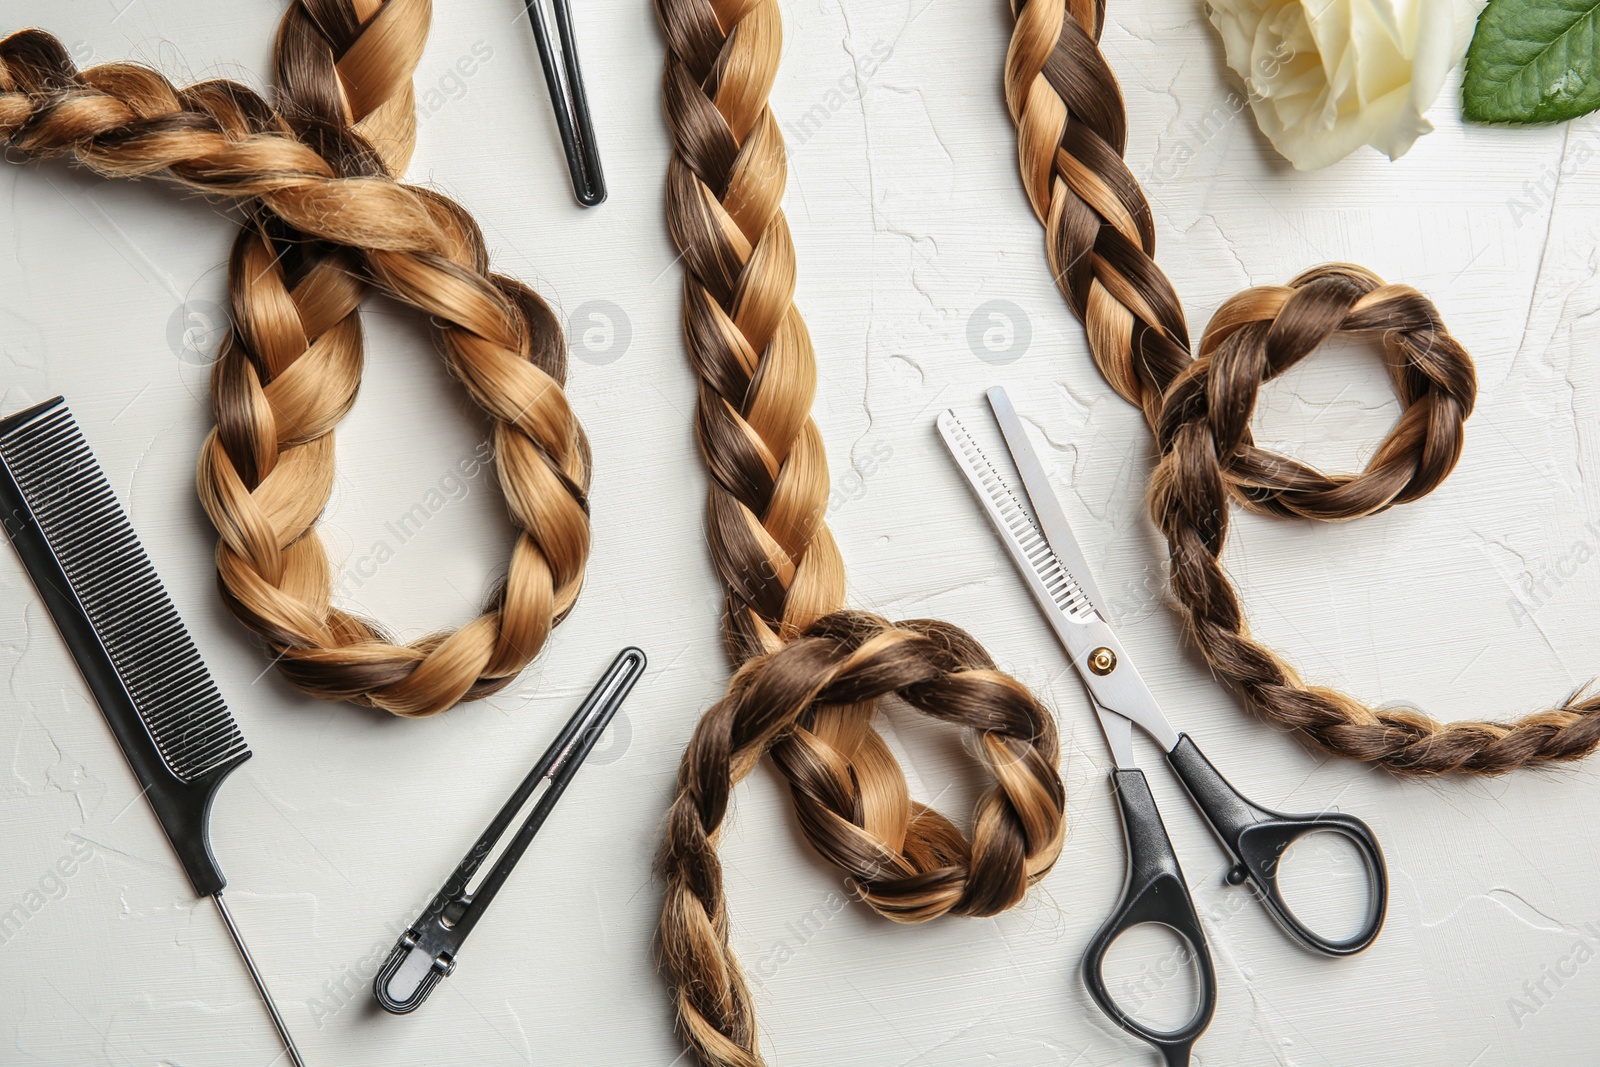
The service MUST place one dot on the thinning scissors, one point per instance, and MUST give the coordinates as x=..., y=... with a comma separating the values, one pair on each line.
x=1053, y=565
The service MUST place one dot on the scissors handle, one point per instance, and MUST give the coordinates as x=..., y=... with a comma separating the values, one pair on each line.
x=1154, y=892
x=1257, y=837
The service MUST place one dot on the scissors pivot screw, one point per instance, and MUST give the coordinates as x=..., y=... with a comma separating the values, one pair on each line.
x=1102, y=660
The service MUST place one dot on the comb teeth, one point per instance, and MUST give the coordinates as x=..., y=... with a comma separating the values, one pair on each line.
x=1063, y=588
x=112, y=578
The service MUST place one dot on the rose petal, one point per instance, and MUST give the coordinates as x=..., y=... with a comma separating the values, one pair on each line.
x=1328, y=76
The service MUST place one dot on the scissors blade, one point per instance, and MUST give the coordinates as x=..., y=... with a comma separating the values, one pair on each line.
x=1118, y=729
x=1059, y=595
x=1119, y=693
x=1046, y=505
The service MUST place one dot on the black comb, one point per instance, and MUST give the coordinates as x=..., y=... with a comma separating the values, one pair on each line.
x=133, y=649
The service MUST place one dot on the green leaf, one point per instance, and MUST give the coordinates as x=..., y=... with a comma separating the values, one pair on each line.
x=1533, y=61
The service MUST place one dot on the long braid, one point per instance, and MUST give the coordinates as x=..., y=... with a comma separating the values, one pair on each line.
x=325, y=220
x=810, y=673
x=1100, y=242
x=344, y=67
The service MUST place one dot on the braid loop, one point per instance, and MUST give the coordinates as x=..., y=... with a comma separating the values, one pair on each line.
x=326, y=218
x=1100, y=244
x=810, y=672
x=807, y=704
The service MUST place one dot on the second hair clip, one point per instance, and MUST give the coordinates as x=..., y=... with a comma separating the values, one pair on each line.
x=564, y=76
x=427, y=951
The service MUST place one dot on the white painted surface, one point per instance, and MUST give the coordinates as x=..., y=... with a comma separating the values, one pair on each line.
x=908, y=217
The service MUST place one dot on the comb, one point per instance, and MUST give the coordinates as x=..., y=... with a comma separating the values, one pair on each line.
x=136, y=655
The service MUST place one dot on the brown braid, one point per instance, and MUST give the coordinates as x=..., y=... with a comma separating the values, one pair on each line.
x=325, y=220
x=1100, y=240
x=810, y=672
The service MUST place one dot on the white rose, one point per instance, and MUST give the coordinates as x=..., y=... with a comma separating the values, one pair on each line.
x=1328, y=76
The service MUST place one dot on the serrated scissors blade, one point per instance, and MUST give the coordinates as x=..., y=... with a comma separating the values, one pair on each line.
x=1047, y=511
x=1058, y=592
x=1120, y=695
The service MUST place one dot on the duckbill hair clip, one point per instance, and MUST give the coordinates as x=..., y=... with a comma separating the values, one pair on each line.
x=565, y=80
x=427, y=951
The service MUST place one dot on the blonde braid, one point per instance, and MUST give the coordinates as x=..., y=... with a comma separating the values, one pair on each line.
x=810, y=673
x=326, y=220
x=1100, y=241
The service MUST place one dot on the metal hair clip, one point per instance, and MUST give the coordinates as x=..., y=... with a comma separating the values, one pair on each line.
x=572, y=111
x=427, y=951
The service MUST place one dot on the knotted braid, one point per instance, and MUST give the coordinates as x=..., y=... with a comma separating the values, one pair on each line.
x=325, y=220
x=810, y=673
x=1100, y=241
x=809, y=704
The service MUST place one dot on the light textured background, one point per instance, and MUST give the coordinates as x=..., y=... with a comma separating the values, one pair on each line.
x=908, y=218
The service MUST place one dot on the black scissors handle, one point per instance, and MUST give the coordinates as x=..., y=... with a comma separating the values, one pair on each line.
x=1257, y=837
x=1154, y=892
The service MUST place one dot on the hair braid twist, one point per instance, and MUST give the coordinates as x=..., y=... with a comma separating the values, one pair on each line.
x=326, y=219
x=1100, y=242
x=810, y=672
